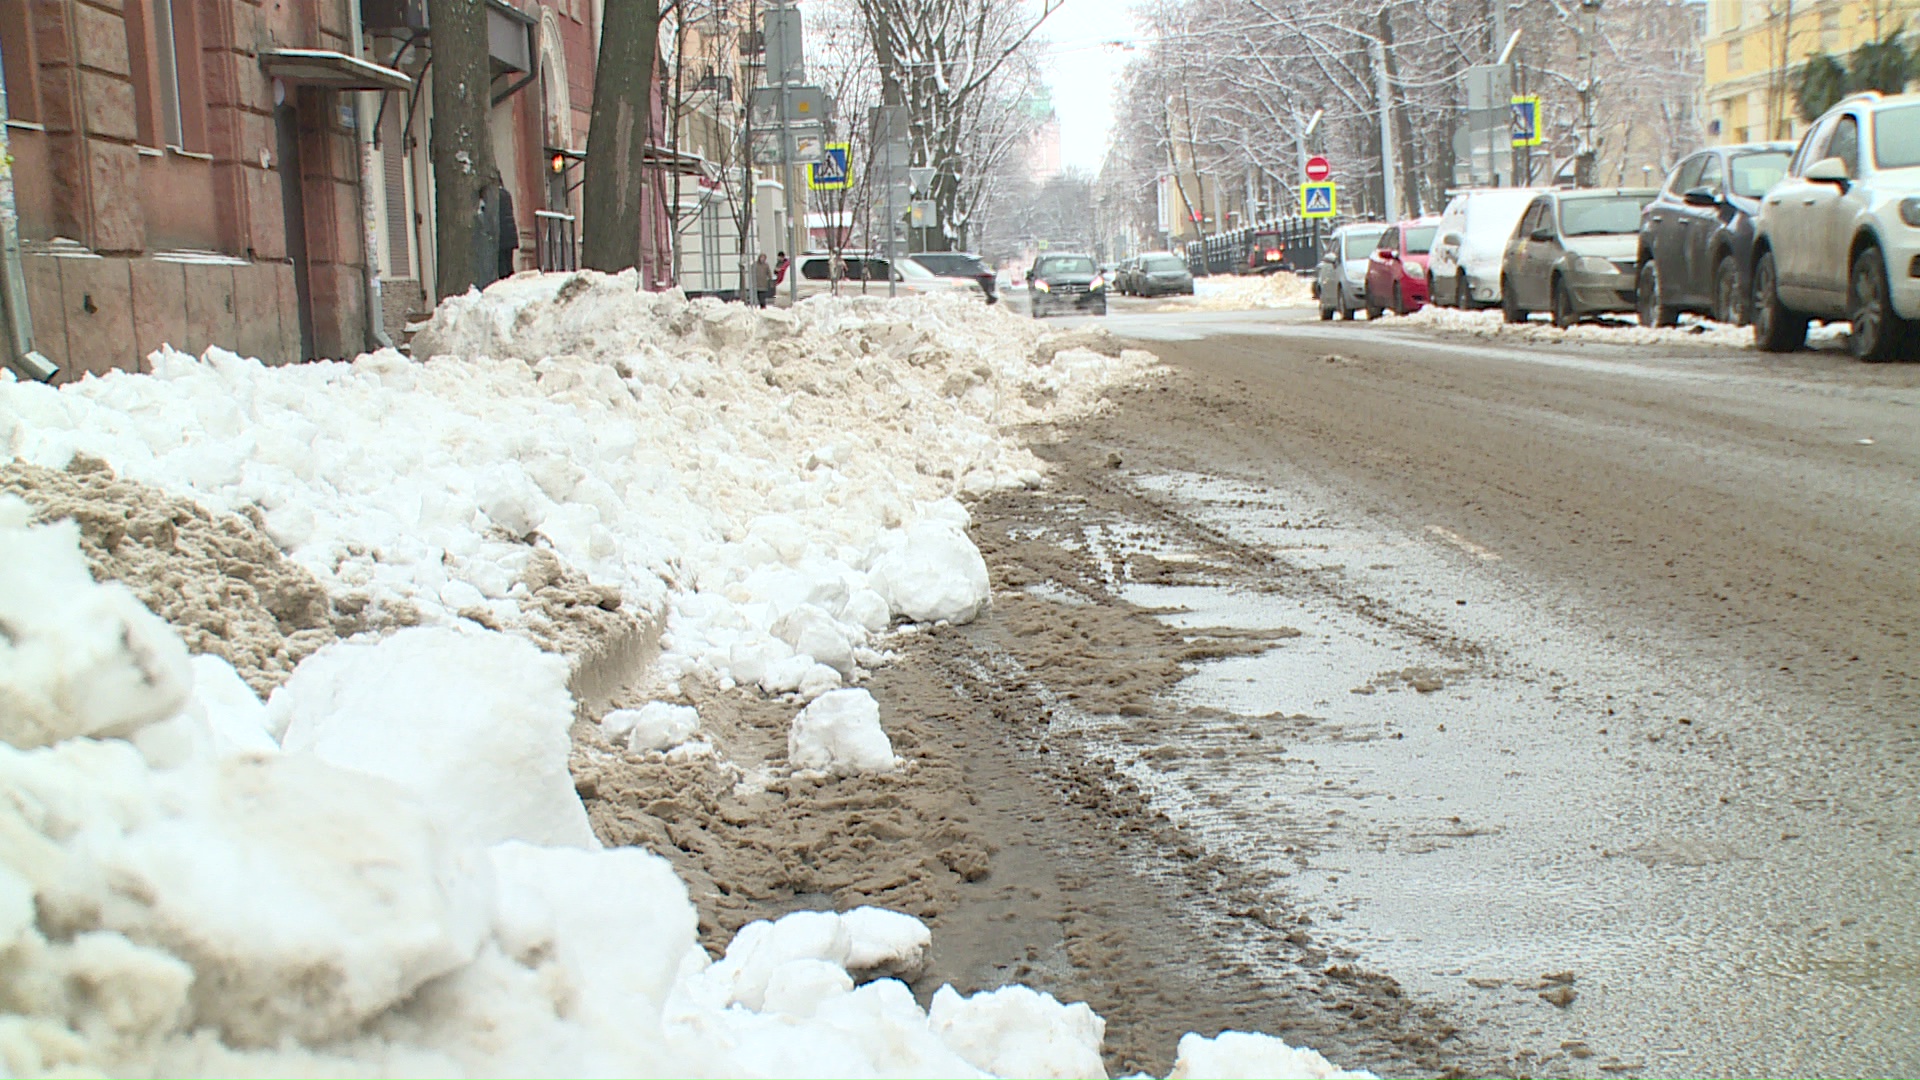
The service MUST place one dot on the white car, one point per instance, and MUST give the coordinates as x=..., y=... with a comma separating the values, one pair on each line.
x=866, y=275
x=1341, y=282
x=1839, y=236
x=1463, y=267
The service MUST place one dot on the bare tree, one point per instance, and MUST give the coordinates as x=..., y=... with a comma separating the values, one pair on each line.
x=945, y=61
x=461, y=146
x=617, y=135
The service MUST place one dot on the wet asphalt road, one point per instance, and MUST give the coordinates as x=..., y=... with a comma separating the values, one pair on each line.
x=1611, y=659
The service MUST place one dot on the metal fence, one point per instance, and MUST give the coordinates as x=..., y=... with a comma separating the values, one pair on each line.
x=1291, y=244
x=556, y=241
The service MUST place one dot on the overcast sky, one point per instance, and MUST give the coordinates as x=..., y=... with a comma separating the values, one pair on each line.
x=1082, y=67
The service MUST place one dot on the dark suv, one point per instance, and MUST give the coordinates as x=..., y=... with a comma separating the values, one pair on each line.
x=1066, y=282
x=959, y=264
x=1696, y=238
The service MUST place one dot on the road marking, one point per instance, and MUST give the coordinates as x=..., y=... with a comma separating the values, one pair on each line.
x=1462, y=543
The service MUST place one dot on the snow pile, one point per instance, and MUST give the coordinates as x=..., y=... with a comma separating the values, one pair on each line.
x=1016, y=1031
x=108, y=667
x=840, y=733
x=173, y=906
x=488, y=755
x=1281, y=290
x=1238, y=1055
x=1623, y=331
x=713, y=466
x=656, y=725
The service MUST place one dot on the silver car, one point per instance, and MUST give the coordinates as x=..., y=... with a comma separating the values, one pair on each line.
x=1839, y=237
x=1341, y=282
x=1573, y=254
x=1160, y=275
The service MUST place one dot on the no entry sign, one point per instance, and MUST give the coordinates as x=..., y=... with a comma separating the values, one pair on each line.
x=1318, y=168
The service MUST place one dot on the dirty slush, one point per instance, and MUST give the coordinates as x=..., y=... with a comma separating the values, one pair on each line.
x=1032, y=858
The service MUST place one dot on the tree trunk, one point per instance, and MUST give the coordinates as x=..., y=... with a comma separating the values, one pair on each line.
x=1403, y=123
x=617, y=136
x=462, y=147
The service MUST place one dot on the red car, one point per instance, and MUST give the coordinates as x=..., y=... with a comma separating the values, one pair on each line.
x=1397, y=272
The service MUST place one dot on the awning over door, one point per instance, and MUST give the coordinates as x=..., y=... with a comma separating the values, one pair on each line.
x=333, y=70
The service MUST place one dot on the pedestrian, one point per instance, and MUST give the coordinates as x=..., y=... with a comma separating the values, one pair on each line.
x=762, y=282
x=509, y=238
x=780, y=270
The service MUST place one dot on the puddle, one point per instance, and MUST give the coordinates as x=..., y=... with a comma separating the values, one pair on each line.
x=1510, y=795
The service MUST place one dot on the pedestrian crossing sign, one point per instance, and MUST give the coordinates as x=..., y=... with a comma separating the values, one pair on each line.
x=1526, y=120
x=1318, y=200
x=832, y=172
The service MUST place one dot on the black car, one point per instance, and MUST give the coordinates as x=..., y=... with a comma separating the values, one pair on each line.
x=959, y=264
x=1066, y=283
x=1696, y=238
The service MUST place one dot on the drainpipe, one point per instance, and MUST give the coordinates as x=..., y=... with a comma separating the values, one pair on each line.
x=369, y=225
x=17, y=348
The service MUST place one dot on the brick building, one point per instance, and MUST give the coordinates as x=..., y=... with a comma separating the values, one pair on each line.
x=216, y=172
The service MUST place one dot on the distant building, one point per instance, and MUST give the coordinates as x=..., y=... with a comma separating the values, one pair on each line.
x=1756, y=48
x=1045, y=158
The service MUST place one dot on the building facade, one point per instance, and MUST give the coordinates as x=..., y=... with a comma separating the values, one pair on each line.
x=1756, y=48
x=255, y=174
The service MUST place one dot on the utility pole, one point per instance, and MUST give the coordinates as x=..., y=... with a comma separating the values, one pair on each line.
x=1588, y=26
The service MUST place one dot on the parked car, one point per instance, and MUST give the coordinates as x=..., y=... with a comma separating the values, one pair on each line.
x=1160, y=274
x=960, y=265
x=1340, y=284
x=1696, y=237
x=1463, y=269
x=1573, y=254
x=1839, y=236
x=866, y=274
x=1066, y=282
x=1397, y=269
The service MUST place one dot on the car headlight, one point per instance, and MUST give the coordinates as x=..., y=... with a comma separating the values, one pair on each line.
x=1042, y=286
x=1593, y=264
x=1098, y=283
x=1910, y=211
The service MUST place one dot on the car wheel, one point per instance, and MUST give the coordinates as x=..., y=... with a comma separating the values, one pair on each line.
x=1510, y=308
x=1038, y=311
x=1775, y=327
x=1647, y=300
x=1564, y=316
x=1727, y=305
x=1373, y=310
x=1462, y=296
x=1877, y=330
x=1399, y=300
x=1326, y=313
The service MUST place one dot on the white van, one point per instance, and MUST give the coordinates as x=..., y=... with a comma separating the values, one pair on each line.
x=1463, y=269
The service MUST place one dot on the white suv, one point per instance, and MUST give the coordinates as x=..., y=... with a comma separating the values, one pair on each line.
x=1839, y=237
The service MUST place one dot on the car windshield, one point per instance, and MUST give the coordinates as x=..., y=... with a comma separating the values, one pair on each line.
x=1359, y=245
x=1065, y=264
x=1753, y=174
x=1611, y=215
x=1896, y=137
x=1420, y=240
x=1161, y=263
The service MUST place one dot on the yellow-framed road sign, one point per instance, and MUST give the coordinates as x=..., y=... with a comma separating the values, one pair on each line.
x=1319, y=200
x=834, y=172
